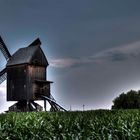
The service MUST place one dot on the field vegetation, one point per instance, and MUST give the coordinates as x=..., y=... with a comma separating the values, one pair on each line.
x=87, y=125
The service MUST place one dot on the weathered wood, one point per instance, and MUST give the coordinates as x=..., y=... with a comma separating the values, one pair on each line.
x=27, y=81
x=16, y=83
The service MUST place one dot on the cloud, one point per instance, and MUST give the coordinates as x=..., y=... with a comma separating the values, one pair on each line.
x=119, y=53
x=4, y=105
x=62, y=63
x=3, y=86
x=2, y=91
x=117, y=56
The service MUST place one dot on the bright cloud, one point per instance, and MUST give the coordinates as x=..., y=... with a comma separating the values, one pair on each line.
x=62, y=63
x=2, y=90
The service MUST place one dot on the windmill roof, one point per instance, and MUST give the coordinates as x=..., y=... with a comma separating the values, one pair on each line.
x=24, y=55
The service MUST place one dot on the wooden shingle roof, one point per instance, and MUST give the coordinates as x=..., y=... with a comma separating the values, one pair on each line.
x=27, y=54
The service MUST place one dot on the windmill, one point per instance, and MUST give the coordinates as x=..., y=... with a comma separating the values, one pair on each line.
x=26, y=76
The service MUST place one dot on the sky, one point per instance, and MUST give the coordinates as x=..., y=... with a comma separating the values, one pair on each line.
x=93, y=46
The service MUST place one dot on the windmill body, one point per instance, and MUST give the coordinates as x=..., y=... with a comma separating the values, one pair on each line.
x=26, y=78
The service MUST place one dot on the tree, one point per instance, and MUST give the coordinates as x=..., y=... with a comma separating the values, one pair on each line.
x=130, y=100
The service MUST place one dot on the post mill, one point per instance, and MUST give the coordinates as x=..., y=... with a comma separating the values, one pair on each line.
x=26, y=76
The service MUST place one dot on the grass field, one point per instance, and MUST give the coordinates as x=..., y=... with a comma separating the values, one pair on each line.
x=88, y=125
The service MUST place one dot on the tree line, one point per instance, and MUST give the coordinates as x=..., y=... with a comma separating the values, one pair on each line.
x=129, y=100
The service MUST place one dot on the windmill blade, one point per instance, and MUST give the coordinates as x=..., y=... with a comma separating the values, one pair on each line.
x=4, y=49
x=3, y=75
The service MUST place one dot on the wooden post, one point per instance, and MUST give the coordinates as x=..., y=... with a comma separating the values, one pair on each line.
x=83, y=107
x=45, y=105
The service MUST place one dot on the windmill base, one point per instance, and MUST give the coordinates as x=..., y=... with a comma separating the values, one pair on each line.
x=25, y=106
x=28, y=106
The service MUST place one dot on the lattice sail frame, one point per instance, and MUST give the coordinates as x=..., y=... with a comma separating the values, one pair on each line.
x=7, y=55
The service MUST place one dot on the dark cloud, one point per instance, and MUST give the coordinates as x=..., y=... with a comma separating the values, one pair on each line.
x=117, y=56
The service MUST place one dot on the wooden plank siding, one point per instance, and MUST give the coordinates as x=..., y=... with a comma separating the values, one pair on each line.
x=16, y=83
x=26, y=82
x=37, y=73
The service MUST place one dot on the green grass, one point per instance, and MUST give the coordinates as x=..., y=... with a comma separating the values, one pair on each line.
x=89, y=125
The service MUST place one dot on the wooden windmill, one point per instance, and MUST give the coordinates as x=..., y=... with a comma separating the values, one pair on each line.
x=26, y=78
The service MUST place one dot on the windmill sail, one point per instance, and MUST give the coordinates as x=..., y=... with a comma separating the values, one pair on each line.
x=4, y=49
x=3, y=75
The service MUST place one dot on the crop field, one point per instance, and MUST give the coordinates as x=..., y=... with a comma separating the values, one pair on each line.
x=87, y=125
